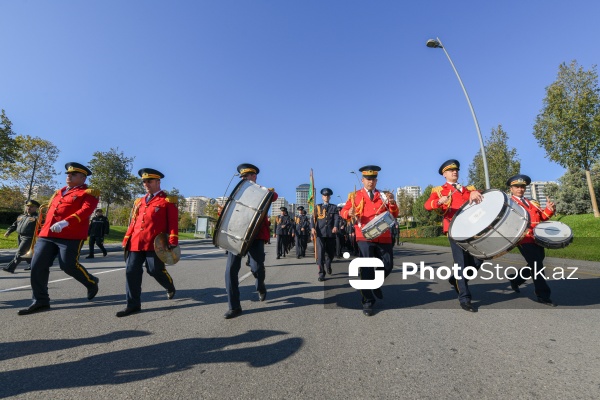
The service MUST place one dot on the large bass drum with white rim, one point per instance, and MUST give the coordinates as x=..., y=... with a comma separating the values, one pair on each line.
x=491, y=228
x=553, y=234
x=241, y=217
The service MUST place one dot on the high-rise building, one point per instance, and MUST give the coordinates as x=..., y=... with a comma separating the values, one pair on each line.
x=302, y=195
x=277, y=204
x=536, y=191
x=414, y=191
x=195, y=204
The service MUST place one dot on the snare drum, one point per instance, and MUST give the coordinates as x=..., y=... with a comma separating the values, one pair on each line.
x=553, y=234
x=377, y=226
x=241, y=217
x=490, y=228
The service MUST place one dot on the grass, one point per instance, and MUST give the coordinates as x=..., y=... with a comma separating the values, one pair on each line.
x=116, y=236
x=585, y=246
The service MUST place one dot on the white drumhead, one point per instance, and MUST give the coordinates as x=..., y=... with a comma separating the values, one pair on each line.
x=476, y=217
x=552, y=231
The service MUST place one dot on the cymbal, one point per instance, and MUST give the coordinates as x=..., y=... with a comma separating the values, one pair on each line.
x=169, y=257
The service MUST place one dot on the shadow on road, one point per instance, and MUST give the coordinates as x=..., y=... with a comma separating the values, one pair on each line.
x=146, y=362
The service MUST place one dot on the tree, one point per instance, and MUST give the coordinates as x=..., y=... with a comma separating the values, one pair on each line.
x=502, y=161
x=405, y=204
x=111, y=175
x=181, y=202
x=572, y=195
x=8, y=145
x=34, y=164
x=421, y=215
x=186, y=222
x=11, y=198
x=568, y=127
x=211, y=210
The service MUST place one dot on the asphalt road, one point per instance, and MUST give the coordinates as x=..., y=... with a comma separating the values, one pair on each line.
x=307, y=340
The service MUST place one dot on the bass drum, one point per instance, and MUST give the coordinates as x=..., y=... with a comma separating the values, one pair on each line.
x=241, y=217
x=553, y=234
x=490, y=228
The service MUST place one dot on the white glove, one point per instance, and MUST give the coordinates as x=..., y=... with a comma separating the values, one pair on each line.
x=58, y=227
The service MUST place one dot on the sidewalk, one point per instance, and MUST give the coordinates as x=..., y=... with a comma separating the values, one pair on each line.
x=8, y=254
x=516, y=259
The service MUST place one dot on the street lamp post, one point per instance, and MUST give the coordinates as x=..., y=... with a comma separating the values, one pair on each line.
x=435, y=44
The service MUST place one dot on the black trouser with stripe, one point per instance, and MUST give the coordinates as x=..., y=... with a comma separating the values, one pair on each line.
x=463, y=259
x=134, y=271
x=45, y=251
x=534, y=255
x=383, y=251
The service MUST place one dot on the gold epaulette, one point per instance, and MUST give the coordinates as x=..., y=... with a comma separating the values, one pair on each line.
x=93, y=192
x=271, y=189
x=172, y=199
x=137, y=201
x=471, y=188
x=535, y=203
x=437, y=189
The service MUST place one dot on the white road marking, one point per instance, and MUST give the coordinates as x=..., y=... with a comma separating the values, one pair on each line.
x=113, y=270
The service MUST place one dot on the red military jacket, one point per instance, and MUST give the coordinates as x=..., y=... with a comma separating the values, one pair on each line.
x=76, y=206
x=536, y=215
x=160, y=215
x=451, y=207
x=366, y=210
x=265, y=228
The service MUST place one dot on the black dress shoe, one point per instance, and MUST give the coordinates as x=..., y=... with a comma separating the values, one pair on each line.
x=90, y=257
x=368, y=311
x=321, y=279
x=546, y=302
x=468, y=307
x=515, y=287
x=35, y=307
x=171, y=293
x=8, y=270
x=262, y=296
x=105, y=254
x=278, y=257
x=93, y=291
x=27, y=269
x=378, y=293
x=233, y=313
x=128, y=311
x=329, y=270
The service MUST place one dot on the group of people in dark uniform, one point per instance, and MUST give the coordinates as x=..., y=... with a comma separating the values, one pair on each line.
x=67, y=225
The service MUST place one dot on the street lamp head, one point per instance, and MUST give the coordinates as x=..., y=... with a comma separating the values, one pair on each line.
x=434, y=44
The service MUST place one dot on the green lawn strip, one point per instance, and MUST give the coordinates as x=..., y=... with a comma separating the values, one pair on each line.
x=116, y=236
x=585, y=246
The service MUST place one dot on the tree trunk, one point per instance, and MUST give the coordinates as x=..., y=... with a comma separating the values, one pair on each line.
x=31, y=181
x=588, y=177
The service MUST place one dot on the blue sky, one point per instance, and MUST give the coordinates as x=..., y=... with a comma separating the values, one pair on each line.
x=194, y=88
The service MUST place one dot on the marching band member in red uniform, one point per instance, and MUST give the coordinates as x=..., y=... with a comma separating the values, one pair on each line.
x=63, y=233
x=365, y=205
x=256, y=251
x=152, y=214
x=533, y=253
x=447, y=199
